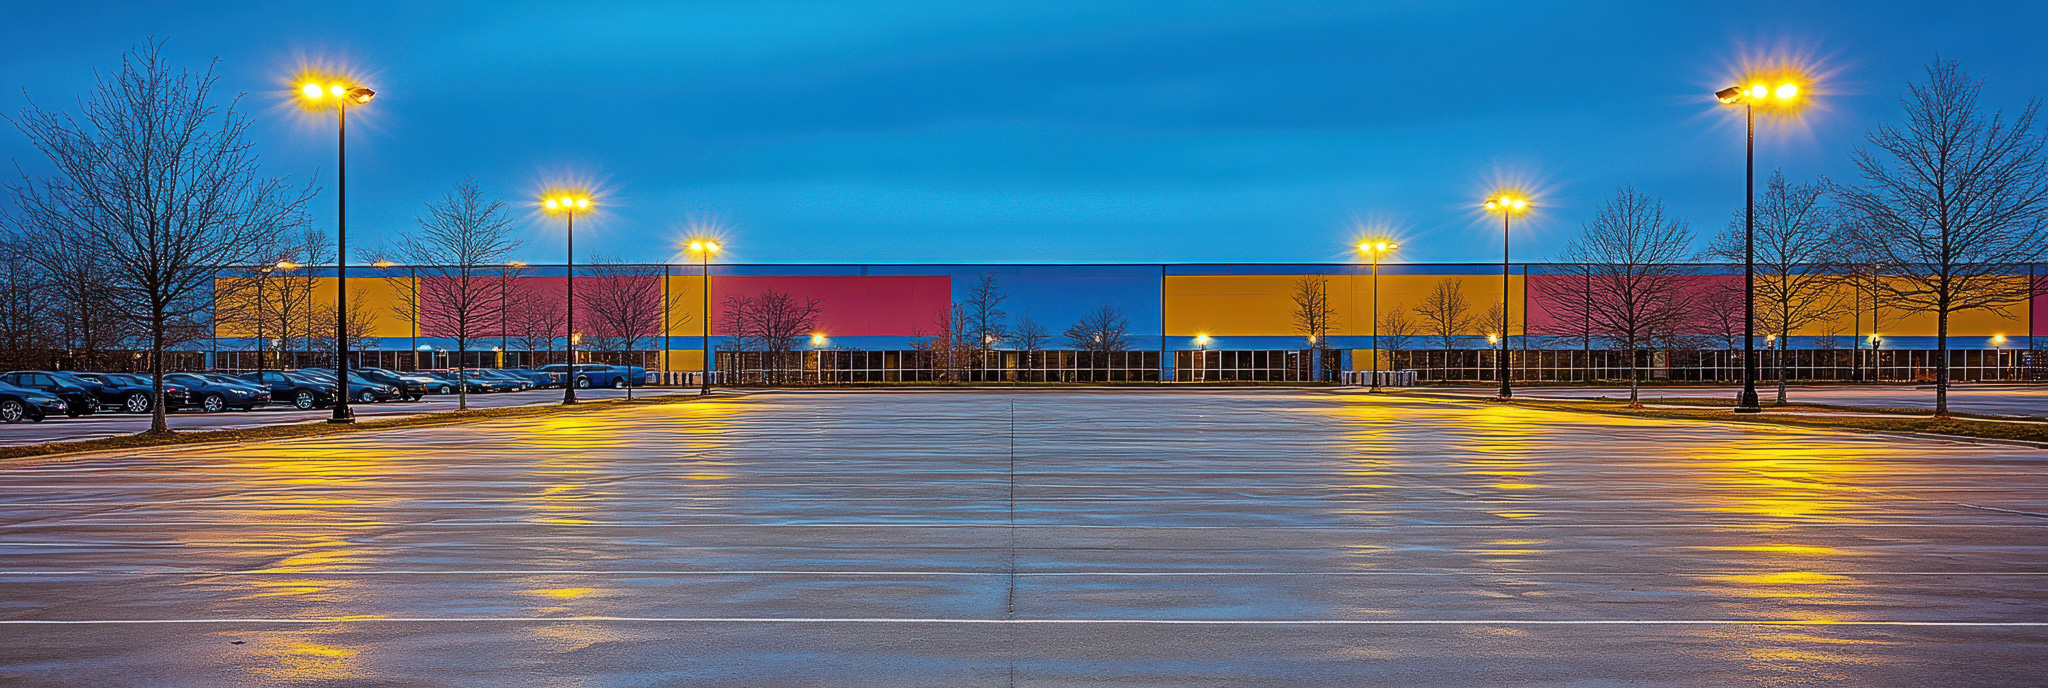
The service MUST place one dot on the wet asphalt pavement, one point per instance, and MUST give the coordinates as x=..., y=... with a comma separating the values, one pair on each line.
x=988, y=538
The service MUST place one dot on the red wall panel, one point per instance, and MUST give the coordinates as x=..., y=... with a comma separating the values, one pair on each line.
x=854, y=306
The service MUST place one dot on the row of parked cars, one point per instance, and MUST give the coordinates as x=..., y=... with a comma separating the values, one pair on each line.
x=32, y=395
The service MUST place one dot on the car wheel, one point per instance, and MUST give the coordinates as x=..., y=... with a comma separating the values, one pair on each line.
x=367, y=397
x=12, y=411
x=619, y=383
x=213, y=403
x=583, y=383
x=444, y=389
x=73, y=410
x=304, y=400
x=136, y=403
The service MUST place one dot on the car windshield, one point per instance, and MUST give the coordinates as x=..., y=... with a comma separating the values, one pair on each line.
x=70, y=379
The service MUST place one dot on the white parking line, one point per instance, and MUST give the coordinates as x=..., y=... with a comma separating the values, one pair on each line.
x=1019, y=574
x=1018, y=622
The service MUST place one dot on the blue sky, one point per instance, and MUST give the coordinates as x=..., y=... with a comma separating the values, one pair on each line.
x=1043, y=131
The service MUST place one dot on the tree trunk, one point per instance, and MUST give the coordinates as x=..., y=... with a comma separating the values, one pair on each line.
x=1780, y=365
x=157, y=424
x=1635, y=377
x=462, y=379
x=1941, y=365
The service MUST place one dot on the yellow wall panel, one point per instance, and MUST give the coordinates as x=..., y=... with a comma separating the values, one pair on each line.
x=1263, y=305
x=686, y=306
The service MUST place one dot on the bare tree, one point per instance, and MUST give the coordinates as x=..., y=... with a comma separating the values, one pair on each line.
x=625, y=304
x=772, y=322
x=1795, y=252
x=982, y=318
x=460, y=252
x=356, y=328
x=945, y=347
x=1029, y=339
x=1397, y=332
x=1718, y=306
x=161, y=185
x=1100, y=331
x=1444, y=312
x=534, y=317
x=1314, y=316
x=1951, y=201
x=1639, y=297
x=25, y=313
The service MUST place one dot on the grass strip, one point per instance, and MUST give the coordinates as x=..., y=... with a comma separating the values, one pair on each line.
x=319, y=428
x=2034, y=434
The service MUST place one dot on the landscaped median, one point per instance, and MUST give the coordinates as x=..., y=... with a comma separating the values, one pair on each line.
x=319, y=428
x=1819, y=416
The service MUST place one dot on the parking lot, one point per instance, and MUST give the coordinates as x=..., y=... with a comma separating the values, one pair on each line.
x=108, y=424
x=971, y=538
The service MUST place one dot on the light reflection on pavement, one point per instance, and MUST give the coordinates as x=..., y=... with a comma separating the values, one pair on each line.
x=1155, y=538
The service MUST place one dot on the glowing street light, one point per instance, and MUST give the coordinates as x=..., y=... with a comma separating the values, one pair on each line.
x=319, y=93
x=568, y=204
x=1375, y=250
x=703, y=249
x=1785, y=96
x=1507, y=204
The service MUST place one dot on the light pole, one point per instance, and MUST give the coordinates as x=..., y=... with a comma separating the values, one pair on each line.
x=567, y=205
x=1376, y=249
x=1507, y=205
x=343, y=97
x=1749, y=98
x=704, y=248
x=262, y=343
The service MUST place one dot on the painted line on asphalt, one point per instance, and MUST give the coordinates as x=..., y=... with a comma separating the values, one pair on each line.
x=1010, y=622
x=1020, y=574
x=41, y=523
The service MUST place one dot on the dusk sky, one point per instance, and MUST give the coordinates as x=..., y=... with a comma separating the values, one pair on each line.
x=1042, y=131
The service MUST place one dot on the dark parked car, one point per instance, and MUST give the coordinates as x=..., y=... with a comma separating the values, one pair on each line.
x=131, y=393
x=518, y=383
x=539, y=379
x=474, y=384
x=302, y=392
x=410, y=387
x=213, y=394
x=78, y=395
x=18, y=404
x=360, y=389
x=598, y=375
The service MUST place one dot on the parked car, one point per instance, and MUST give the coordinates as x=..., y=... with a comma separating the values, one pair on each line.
x=519, y=383
x=19, y=404
x=79, y=398
x=361, y=390
x=411, y=387
x=121, y=392
x=441, y=383
x=599, y=375
x=480, y=383
x=302, y=392
x=131, y=392
x=539, y=379
x=214, y=394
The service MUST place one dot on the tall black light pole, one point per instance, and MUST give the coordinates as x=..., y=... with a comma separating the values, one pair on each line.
x=1507, y=205
x=343, y=96
x=1376, y=249
x=1749, y=98
x=704, y=248
x=568, y=205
